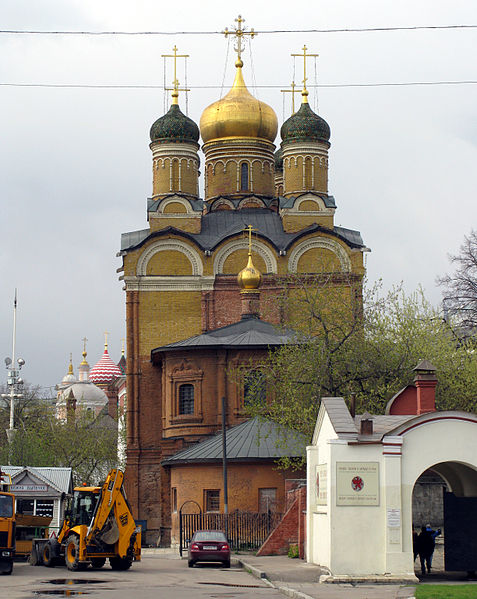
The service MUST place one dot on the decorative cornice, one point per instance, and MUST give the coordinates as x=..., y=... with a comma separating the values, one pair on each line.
x=162, y=283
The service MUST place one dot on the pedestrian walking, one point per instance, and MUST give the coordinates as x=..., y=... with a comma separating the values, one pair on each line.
x=425, y=549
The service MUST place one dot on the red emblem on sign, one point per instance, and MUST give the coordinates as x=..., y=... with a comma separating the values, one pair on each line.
x=357, y=483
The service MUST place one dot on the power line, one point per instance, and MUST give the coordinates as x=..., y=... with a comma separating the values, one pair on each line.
x=263, y=31
x=320, y=85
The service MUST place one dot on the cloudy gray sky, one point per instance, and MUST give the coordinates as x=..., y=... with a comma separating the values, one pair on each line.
x=75, y=166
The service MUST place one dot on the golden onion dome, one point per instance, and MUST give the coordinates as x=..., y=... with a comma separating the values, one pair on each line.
x=238, y=114
x=249, y=278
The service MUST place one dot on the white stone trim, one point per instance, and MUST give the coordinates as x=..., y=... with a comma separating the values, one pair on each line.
x=310, y=197
x=242, y=244
x=162, y=283
x=251, y=198
x=324, y=243
x=174, y=245
x=175, y=200
x=222, y=202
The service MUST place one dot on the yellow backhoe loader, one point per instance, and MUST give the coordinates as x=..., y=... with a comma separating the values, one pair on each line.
x=98, y=524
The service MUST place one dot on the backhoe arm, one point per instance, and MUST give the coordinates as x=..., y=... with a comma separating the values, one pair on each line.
x=109, y=495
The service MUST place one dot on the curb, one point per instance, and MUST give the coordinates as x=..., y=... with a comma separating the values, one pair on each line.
x=263, y=576
x=287, y=591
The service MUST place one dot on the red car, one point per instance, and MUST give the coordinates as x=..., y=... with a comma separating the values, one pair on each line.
x=209, y=546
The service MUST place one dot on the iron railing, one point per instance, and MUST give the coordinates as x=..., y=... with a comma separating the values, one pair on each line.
x=244, y=530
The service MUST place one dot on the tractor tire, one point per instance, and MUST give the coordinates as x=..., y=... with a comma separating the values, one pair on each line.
x=120, y=563
x=97, y=562
x=48, y=560
x=72, y=554
x=6, y=567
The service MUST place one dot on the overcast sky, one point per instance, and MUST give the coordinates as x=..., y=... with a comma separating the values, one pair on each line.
x=75, y=165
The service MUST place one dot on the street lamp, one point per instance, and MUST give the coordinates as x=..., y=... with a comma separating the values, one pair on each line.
x=14, y=381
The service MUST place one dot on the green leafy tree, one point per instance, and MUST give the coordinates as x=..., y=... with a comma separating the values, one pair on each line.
x=85, y=443
x=368, y=348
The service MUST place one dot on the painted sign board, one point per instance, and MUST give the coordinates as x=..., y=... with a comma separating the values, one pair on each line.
x=28, y=488
x=322, y=484
x=357, y=483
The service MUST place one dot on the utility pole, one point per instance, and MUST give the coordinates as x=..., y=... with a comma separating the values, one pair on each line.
x=224, y=466
x=13, y=379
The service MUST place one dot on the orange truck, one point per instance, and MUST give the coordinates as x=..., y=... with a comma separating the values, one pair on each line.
x=7, y=525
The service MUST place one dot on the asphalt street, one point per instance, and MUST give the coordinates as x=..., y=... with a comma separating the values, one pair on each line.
x=152, y=578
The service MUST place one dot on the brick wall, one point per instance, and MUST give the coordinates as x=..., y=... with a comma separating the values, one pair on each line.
x=291, y=530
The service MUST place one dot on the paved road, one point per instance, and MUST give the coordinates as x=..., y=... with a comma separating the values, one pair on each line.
x=165, y=577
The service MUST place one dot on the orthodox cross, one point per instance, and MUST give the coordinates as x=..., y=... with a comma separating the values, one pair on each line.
x=122, y=345
x=175, y=89
x=249, y=230
x=291, y=91
x=305, y=56
x=84, y=348
x=239, y=32
x=106, y=333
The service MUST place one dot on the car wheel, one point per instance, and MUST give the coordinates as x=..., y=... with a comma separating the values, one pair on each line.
x=191, y=563
x=227, y=564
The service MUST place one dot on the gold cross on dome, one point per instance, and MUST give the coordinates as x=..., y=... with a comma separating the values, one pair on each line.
x=291, y=91
x=249, y=229
x=84, y=344
x=239, y=32
x=106, y=333
x=305, y=56
x=175, y=89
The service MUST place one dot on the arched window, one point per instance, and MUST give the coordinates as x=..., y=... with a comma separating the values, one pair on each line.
x=244, y=176
x=186, y=399
x=254, y=388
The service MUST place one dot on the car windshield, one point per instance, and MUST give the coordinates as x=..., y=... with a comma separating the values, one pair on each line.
x=210, y=535
x=6, y=506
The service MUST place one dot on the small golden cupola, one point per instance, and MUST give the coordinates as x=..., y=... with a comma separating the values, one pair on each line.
x=249, y=280
x=238, y=133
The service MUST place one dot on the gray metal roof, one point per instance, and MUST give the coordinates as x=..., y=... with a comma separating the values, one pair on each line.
x=196, y=205
x=252, y=440
x=222, y=224
x=59, y=478
x=340, y=416
x=329, y=201
x=249, y=332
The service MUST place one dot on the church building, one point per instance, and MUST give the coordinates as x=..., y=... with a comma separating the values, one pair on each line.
x=190, y=319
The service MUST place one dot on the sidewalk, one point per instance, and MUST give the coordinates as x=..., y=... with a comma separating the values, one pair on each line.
x=295, y=578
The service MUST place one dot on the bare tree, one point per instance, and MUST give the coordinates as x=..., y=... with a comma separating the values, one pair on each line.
x=460, y=295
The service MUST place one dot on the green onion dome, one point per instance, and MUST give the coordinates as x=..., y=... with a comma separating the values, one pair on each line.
x=278, y=159
x=175, y=126
x=305, y=125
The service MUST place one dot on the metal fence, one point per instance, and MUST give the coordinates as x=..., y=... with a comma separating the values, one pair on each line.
x=244, y=530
